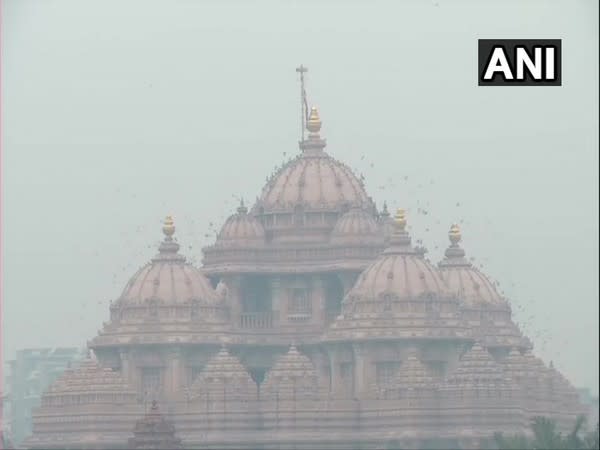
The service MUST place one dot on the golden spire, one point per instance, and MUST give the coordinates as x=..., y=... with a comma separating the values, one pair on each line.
x=454, y=234
x=400, y=219
x=168, y=226
x=314, y=121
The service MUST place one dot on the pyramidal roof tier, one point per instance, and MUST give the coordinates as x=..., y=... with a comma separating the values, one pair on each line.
x=91, y=383
x=477, y=369
x=563, y=390
x=224, y=374
x=515, y=366
x=413, y=374
x=399, y=295
x=292, y=376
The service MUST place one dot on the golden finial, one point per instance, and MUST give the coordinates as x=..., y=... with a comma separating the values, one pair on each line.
x=314, y=121
x=454, y=234
x=400, y=219
x=168, y=226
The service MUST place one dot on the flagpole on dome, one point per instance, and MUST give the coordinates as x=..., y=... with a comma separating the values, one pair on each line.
x=303, y=102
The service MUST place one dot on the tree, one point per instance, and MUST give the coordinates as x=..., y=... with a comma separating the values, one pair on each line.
x=546, y=437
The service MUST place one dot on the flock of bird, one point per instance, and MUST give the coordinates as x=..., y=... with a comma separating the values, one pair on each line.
x=194, y=235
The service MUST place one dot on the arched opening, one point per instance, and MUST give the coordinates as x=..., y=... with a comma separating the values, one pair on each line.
x=256, y=294
x=258, y=374
x=334, y=294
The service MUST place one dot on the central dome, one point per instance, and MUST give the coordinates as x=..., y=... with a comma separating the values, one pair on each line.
x=313, y=180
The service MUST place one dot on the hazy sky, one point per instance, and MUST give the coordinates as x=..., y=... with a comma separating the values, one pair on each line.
x=117, y=113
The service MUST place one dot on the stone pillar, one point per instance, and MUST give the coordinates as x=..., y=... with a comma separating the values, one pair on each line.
x=174, y=373
x=127, y=371
x=277, y=298
x=361, y=366
x=318, y=300
x=235, y=298
x=335, y=382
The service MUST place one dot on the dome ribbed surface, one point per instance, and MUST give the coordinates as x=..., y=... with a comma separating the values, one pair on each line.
x=168, y=282
x=168, y=279
x=241, y=230
x=356, y=227
x=403, y=276
x=315, y=181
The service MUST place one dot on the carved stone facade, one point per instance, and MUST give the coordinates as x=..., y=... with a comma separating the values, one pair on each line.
x=327, y=329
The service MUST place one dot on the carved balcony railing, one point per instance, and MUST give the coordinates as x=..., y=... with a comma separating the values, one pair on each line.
x=257, y=320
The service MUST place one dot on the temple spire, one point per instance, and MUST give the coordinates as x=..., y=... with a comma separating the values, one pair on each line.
x=455, y=255
x=168, y=228
x=168, y=247
x=400, y=242
x=454, y=234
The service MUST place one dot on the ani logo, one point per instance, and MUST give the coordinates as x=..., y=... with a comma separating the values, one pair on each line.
x=519, y=62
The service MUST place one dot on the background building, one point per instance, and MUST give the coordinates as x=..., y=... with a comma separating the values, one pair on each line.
x=29, y=375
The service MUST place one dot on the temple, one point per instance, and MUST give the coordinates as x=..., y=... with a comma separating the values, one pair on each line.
x=313, y=323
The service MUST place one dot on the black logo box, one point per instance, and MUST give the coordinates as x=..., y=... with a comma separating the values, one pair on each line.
x=486, y=47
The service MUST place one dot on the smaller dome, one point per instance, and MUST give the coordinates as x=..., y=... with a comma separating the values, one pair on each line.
x=168, y=278
x=463, y=279
x=400, y=272
x=356, y=227
x=224, y=374
x=400, y=295
x=293, y=376
x=241, y=230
